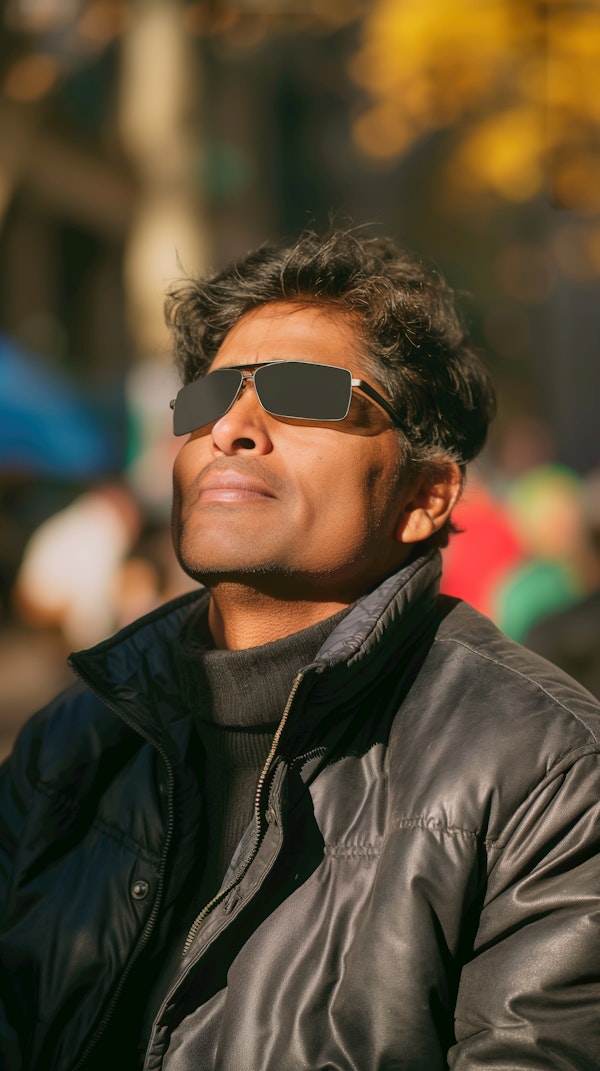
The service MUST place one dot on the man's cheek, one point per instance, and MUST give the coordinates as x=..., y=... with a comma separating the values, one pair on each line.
x=182, y=483
x=181, y=504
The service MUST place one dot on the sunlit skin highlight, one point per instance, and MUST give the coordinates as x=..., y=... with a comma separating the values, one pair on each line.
x=286, y=522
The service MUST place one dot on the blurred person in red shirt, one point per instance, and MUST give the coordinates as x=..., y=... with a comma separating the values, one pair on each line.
x=488, y=547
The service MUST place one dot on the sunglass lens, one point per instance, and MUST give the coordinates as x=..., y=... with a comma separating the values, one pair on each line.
x=205, y=400
x=305, y=391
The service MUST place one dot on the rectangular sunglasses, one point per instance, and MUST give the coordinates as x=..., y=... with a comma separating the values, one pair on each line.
x=298, y=390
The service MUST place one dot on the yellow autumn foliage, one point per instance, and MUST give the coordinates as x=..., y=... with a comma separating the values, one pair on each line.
x=516, y=82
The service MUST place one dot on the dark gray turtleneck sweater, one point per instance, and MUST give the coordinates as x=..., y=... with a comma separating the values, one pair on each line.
x=237, y=699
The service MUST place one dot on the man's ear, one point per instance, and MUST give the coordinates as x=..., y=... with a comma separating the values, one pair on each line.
x=430, y=503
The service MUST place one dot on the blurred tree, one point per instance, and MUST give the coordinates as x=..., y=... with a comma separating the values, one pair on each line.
x=518, y=81
x=486, y=118
x=160, y=128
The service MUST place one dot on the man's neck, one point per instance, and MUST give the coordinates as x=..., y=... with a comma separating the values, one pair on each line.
x=240, y=617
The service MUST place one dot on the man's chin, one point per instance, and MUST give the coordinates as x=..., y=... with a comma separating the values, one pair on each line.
x=212, y=571
x=267, y=578
x=217, y=572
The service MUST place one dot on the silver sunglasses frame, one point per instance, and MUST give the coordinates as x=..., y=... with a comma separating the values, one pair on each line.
x=248, y=372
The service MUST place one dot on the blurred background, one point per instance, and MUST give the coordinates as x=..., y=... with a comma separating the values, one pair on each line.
x=144, y=139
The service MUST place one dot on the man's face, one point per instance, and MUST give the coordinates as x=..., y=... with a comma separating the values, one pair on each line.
x=301, y=509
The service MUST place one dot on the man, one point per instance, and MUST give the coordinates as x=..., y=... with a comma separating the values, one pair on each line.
x=311, y=816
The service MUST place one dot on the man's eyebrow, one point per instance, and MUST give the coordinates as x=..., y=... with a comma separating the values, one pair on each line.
x=258, y=364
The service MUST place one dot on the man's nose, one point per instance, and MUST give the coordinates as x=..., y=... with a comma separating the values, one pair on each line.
x=244, y=427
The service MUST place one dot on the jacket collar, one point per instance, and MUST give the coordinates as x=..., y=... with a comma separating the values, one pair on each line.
x=415, y=587
x=134, y=671
x=368, y=663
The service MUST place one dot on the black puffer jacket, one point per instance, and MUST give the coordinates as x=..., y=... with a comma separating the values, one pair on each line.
x=421, y=888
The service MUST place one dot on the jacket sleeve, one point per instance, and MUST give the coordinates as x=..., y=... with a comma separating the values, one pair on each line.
x=17, y=783
x=529, y=995
x=19, y=777
x=60, y=723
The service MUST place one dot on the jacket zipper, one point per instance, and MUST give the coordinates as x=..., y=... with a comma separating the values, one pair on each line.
x=100, y=1029
x=243, y=868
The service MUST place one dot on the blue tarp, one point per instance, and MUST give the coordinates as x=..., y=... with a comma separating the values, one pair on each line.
x=46, y=426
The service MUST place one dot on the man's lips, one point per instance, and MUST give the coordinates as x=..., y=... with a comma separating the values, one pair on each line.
x=234, y=487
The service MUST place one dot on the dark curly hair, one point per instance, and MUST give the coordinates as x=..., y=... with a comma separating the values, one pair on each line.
x=405, y=314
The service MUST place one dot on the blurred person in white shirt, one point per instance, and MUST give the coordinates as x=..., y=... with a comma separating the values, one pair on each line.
x=69, y=572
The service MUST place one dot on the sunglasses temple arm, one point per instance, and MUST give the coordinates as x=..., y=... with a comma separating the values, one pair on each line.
x=376, y=397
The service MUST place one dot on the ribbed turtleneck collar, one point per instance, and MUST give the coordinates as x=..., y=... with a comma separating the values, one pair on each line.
x=243, y=688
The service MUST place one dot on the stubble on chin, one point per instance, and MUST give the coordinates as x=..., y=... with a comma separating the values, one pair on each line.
x=211, y=558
